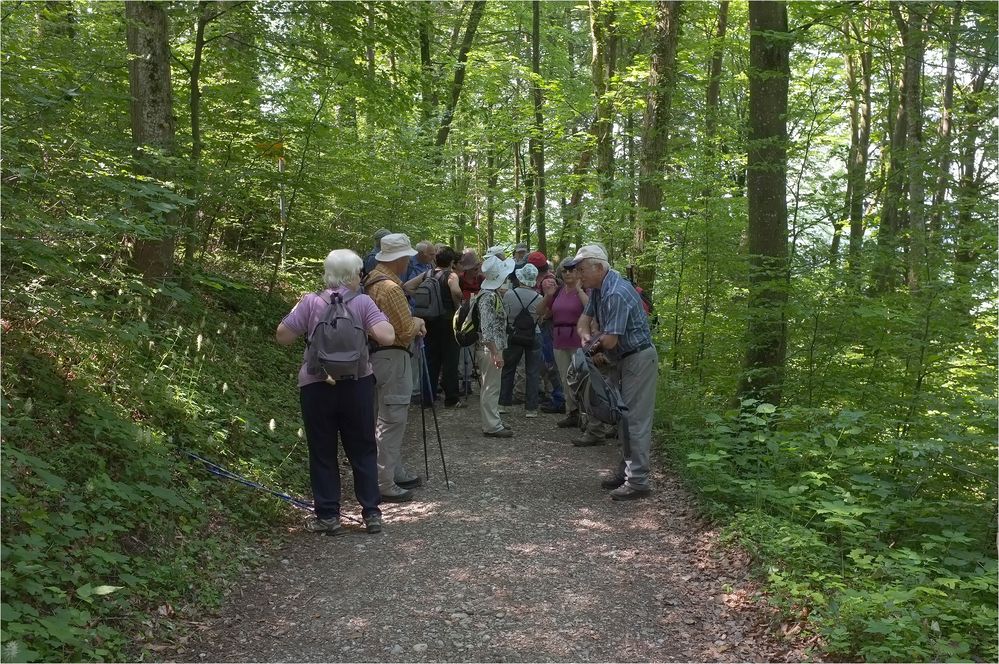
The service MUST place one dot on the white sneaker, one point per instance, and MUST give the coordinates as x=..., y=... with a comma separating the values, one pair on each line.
x=531, y=413
x=503, y=410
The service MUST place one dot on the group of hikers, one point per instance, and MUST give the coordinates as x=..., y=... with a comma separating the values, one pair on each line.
x=408, y=324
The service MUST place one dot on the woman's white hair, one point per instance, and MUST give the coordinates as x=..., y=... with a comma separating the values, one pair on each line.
x=341, y=268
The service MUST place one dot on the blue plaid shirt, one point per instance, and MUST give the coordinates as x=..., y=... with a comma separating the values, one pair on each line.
x=617, y=307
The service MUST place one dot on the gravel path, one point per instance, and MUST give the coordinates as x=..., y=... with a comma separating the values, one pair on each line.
x=525, y=559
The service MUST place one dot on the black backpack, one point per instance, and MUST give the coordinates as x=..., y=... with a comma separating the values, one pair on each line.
x=338, y=345
x=521, y=332
x=432, y=296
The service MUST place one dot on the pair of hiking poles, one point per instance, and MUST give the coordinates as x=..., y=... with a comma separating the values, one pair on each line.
x=425, y=378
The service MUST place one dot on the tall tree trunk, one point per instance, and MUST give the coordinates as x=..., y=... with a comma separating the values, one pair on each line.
x=861, y=128
x=153, y=130
x=601, y=71
x=369, y=49
x=573, y=211
x=478, y=8
x=766, y=183
x=966, y=252
x=944, y=131
x=913, y=40
x=516, y=189
x=891, y=223
x=712, y=104
x=428, y=101
x=286, y=211
x=655, y=132
x=537, y=138
x=491, y=178
x=194, y=212
x=524, y=232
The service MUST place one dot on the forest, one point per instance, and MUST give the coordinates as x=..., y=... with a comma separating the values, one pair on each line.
x=808, y=190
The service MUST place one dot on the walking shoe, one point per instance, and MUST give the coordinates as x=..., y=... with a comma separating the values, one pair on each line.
x=411, y=483
x=502, y=433
x=548, y=408
x=531, y=413
x=625, y=492
x=503, y=410
x=329, y=526
x=569, y=421
x=588, y=440
x=373, y=523
x=611, y=434
x=399, y=496
x=457, y=403
x=611, y=482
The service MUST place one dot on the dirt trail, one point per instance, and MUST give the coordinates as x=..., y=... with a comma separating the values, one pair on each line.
x=525, y=559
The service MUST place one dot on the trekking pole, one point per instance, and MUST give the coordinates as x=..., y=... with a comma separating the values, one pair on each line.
x=437, y=428
x=423, y=412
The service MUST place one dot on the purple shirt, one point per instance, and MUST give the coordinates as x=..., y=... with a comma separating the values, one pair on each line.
x=566, y=310
x=304, y=317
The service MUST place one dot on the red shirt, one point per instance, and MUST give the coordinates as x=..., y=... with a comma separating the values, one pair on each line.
x=470, y=285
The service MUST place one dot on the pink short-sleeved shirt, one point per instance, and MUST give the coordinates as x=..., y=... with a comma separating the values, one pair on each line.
x=304, y=317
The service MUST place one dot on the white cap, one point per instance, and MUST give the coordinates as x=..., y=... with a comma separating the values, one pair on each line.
x=393, y=246
x=586, y=251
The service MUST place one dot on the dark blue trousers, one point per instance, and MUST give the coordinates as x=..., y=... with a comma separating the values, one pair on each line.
x=347, y=409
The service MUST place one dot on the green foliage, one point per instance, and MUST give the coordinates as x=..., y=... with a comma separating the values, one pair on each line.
x=894, y=559
x=103, y=519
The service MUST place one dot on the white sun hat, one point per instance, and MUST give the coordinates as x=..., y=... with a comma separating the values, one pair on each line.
x=496, y=271
x=393, y=246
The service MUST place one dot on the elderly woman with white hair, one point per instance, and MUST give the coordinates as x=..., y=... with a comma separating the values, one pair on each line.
x=344, y=406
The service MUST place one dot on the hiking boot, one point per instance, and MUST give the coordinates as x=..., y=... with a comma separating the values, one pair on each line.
x=609, y=435
x=611, y=482
x=502, y=433
x=397, y=495
x=569, y=421
x=531, y=413
x=550, y=409
x=588, y=440
x=329, y=526
x=416, y=481
x=625, y=492
x=373, y=523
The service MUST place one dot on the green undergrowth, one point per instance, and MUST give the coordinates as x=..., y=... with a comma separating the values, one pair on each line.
x=112, y=538
x=882, y=532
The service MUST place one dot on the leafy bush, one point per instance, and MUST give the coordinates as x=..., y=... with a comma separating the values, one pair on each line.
x=887, y=539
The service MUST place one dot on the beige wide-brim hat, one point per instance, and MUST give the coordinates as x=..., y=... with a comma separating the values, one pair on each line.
x=393, y=246
x=496, y=271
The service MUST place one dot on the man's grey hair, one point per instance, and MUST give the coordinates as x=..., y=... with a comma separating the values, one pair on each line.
x=341, y=268
x=423, y=246
x=599, y=261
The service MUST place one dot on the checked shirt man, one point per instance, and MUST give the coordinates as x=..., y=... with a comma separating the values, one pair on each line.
x=616, y=324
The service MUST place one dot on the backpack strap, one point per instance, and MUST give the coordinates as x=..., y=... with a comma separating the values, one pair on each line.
x=371, y=281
